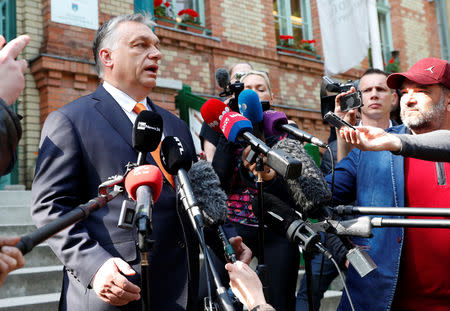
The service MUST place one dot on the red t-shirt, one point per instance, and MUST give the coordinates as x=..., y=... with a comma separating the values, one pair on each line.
x=424, y=281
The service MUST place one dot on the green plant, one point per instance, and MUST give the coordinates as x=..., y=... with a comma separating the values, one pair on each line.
x=392, y=66
x=285, y=40
x=307, y=45
x=162, y=9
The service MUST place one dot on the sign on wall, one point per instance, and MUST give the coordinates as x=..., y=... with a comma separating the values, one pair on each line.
x=82, y=13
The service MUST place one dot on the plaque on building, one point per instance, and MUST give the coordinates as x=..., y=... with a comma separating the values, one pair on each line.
x=82, y=13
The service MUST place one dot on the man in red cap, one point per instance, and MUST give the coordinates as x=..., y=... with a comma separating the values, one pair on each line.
x=412, y=272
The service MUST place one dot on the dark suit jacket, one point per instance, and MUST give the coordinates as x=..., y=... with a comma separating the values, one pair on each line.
x=82, y=144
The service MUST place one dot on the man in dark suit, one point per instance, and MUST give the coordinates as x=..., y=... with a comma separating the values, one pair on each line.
x=89, y=140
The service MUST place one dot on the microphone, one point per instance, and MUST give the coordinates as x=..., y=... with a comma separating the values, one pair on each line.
x=222, y=78
x=234, y=126
x=147, y=133
x=144, y=184
x=212, y=201
x=276, y=123
x=251, y=108
x=284, y=220
x=176, y=160
x=146, y=136
x=212, y=112
x=310, y=190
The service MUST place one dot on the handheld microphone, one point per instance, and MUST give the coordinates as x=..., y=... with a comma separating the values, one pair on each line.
x=251, y=108
x=212, y=112
x=212, y=201
x=234, y=126
x=176, y=160
x=147, y=133
x=284, y=220
x=276, y=123
x=146, y=136
x=310, y=190
x=144, y=184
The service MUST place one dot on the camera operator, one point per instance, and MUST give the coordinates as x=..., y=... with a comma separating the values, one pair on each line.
x=377, y=102
x=412, y=262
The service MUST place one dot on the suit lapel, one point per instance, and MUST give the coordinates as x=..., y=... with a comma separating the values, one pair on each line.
x=113, y=113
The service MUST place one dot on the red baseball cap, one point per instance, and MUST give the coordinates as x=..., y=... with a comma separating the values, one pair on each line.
x=426, y=71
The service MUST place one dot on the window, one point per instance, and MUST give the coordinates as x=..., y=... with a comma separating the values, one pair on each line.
x=444, y=28
x=293, y=18
x=384, y=21
x=171, y=8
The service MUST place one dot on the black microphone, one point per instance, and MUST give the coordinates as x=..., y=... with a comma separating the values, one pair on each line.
x=147, y=133
x=283, y=219
x=212, y=201
x=177, y=160
x=310, y=191
x=222, y=78
x=276, y=123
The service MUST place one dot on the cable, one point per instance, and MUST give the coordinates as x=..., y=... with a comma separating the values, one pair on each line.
x=343, y=282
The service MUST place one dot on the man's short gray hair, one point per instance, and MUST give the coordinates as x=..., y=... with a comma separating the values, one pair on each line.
x=105, y=35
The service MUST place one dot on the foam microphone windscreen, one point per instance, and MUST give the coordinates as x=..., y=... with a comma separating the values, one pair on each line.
x=147, y=131
x=175, y=155
x=277, y=206
x=206, y=188
x=250, y=106
x=233, y=124
x=272, y=119
x=310, y=190
x=212, y=112
x=144, y=175
x=222, y=77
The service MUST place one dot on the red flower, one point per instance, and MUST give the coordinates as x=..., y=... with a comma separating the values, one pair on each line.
x=304, y=41
x=286, y=37
x=311, y=41
x=192, y=13
x=167, y=4
x=157, y=3
x=391, y=61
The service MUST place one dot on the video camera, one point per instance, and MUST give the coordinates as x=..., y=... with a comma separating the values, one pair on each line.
x=327, y=101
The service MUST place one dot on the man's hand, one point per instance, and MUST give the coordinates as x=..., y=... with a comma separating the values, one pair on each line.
x=243, y=253
x=245, y=284
x=267, y=175
x=369, y=138
x=10, y=257
x=349, y=116
x=111, y=286
x=12, y=80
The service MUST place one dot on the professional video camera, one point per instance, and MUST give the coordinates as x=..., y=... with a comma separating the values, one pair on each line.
x=352, y=101
x=223, y=80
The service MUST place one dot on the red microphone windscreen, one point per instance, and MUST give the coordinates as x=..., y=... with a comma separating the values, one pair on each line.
x=233, y=124
x=212, y=112
x=144, y=175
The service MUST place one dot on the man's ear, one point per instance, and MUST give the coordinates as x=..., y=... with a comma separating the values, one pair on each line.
x=106, y=57
x=394, y=99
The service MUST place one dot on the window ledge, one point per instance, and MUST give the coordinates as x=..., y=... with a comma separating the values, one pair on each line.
x=170, y=23
x=291, y=51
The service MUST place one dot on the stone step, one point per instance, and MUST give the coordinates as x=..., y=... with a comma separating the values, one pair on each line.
x=44, y=302
x=11, y=197
x=32, y=281
x=15, y=214
x=16, y=229
x=40, y=256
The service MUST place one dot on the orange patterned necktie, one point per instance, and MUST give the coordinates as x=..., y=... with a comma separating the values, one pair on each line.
x=155, y=154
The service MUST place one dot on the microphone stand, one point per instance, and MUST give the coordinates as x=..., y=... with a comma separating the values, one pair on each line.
x=261, y=269
x=225, y=303
x=82, y=211
x=144, y=229
x=393, y=211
